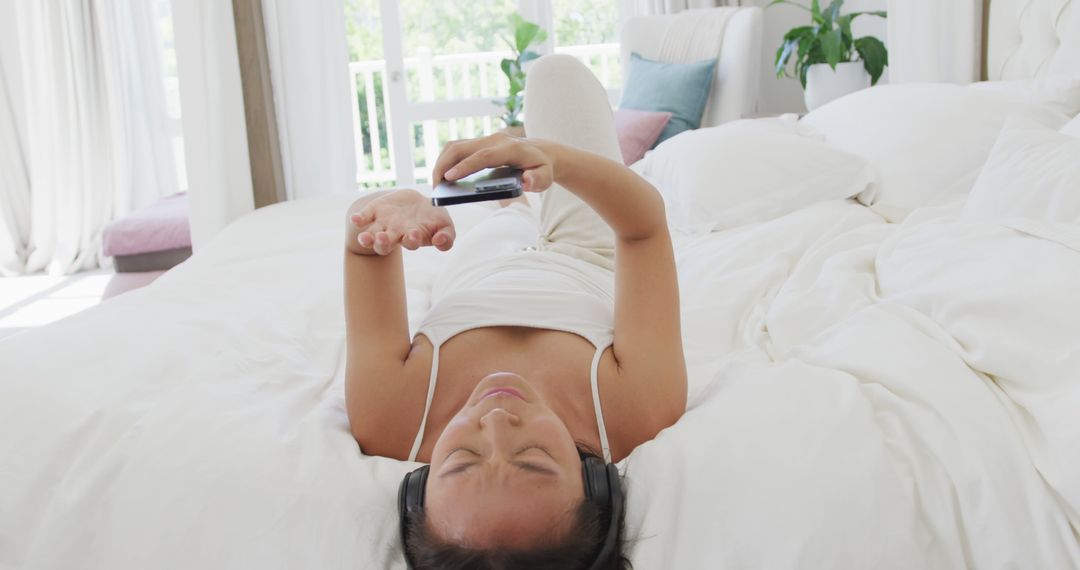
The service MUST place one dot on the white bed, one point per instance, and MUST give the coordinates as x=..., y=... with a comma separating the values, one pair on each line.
x=863, y=394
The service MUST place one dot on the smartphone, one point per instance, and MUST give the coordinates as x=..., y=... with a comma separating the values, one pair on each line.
x=488, y=184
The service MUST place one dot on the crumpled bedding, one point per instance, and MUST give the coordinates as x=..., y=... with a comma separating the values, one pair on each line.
x=862, y=395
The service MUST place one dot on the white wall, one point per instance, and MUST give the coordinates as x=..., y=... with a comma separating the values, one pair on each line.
x=785, y=95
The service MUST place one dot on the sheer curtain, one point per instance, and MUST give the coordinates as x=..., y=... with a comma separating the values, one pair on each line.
x=215, y=132
x=652, y=7
x=931, y=40
x=96, y=145
x=14, y=186
x=309, y=71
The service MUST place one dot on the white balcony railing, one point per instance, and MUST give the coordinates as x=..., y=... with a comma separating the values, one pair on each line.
x=442, y=78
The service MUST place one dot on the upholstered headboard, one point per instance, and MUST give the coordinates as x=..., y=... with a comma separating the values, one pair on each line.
x=1032, y=38
x=736, y=82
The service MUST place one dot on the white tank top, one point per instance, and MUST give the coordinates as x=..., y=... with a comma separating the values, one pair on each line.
x=536, y=289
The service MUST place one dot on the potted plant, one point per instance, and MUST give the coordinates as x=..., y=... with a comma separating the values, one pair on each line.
x=828, y=61
x=526, y=34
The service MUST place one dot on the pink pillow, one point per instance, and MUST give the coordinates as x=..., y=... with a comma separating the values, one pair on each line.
x=160, y=226
x=638, y=131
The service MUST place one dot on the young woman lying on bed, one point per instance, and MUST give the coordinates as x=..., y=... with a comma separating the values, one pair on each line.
x=542, y=359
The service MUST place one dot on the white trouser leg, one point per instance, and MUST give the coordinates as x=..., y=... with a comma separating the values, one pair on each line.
x=564, y=102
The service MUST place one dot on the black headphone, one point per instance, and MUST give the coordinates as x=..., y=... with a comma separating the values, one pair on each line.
x=601, y=487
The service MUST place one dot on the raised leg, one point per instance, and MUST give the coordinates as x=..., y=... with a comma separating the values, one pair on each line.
x=564, y=102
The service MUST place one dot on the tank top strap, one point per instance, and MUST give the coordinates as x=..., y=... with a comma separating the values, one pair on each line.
x=594, y=367
x=605, y=446
x=427, y=405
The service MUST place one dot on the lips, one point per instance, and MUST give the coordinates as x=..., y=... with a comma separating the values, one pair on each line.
x=502, y=392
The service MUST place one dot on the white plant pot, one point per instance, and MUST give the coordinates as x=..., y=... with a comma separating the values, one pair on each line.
x=823, y=84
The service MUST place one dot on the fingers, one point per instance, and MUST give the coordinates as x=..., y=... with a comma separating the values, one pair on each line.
x=366, y=239
x=537, y=179
x=413, y=239
x=363, y=217
x=486, y=157
x=443, y=239
x=386, y=241
x=452, y=153
x=456, y=151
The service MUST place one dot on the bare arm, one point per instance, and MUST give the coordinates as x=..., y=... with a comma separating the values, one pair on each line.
x=648, y=336
x=648, y=333
x=378, y=384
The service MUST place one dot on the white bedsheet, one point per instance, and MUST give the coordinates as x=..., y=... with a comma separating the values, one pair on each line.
x=862, y=395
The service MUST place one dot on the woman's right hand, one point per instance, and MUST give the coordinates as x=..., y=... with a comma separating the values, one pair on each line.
x=403, y=217
x=535, y=157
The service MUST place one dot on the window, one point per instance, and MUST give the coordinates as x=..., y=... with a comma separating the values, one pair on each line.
x=426, y=71
x=590, y=30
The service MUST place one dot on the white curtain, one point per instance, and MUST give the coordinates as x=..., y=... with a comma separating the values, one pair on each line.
x=932, y=40
x=309, y=60
x=215, y=132
x=95, y=144
x=14, y=186
x=655, y=7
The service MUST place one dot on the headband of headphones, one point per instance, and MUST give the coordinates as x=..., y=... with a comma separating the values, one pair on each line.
x=602, y=487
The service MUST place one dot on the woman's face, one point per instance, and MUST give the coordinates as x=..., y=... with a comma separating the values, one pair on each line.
x=505, y=471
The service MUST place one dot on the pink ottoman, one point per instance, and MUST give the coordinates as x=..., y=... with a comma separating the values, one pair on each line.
x=154, y=238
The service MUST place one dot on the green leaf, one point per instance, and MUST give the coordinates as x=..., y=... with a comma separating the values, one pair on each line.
x=832, y=47
x=795, y=33
x=788, y=2
x=517, y=83
x=796, y=37
x=528, y=56
x=507, y=66
x=832, y=13
x=525, y=34
x=802, y=73
x=814, y=54
x=805, y=44
x=874, y=55
x=844, y=22
x=815, y=11
x=782, y=56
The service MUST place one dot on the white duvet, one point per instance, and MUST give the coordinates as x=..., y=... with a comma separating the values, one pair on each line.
x=863, y=395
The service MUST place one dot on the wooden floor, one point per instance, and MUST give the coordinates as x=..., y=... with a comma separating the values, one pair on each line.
x=35, y=300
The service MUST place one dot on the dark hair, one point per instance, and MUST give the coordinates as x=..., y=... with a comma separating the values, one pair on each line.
x=577, y=550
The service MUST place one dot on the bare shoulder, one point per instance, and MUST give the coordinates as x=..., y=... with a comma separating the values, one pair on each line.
x=385, y=401
x=639, y=403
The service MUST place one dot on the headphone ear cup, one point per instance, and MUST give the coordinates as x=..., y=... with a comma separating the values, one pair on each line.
x=411, y=495
x=594, y=475
x=616, y=494
x=602, y=487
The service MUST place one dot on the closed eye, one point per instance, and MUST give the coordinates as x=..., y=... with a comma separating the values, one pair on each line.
x=522, y=465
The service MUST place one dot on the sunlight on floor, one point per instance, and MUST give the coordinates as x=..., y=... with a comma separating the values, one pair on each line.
x=36, y=300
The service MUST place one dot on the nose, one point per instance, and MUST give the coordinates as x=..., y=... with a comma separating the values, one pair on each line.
x=499, y=417
x=496, y=426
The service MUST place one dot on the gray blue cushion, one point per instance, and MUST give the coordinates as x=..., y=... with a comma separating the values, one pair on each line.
x=681, y=89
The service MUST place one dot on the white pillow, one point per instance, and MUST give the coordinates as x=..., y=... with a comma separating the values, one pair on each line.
x=927, y=141
x=1032, y=172
x=749, y=171
x=1058, y=92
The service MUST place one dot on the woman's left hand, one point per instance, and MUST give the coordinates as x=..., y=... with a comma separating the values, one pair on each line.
x=464, y=157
